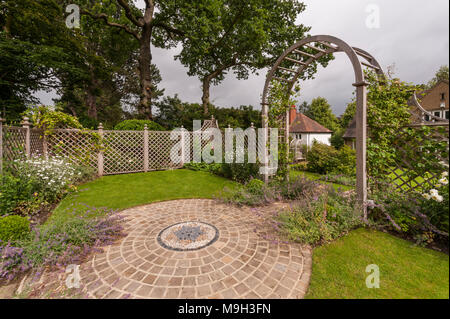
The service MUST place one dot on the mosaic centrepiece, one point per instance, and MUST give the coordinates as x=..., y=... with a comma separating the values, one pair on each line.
x=190, y=235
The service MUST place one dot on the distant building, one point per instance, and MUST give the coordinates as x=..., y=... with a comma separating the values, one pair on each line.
x=435, y=101
x=350, y=135
x=305, y=131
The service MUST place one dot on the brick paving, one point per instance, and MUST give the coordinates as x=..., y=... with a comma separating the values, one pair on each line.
x=243, y=263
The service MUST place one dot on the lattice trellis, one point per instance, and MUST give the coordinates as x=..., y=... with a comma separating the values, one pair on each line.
x=124, y=152
x=414, y=153
x=76, y=145
x=159, y=148
x=36, y=142
x=14, y=142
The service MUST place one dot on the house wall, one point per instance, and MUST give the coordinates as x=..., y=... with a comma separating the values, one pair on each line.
x=308, y=138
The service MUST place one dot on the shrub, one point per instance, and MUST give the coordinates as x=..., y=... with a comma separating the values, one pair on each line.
x=138, y=125
x=37, y=181
x=61, y=242
x=324, y=159
x=255, y=186
x=315, y=222
x=256, y=193
x=423, y=217
x=14, y=192
x=13, y=228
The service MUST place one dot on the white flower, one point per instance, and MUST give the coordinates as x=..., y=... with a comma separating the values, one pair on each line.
x=426, y=196
x=434, y=192
x=437, y=198
x=443, y=181
x=444, y=174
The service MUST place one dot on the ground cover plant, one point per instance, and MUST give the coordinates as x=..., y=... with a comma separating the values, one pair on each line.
x=59, y=243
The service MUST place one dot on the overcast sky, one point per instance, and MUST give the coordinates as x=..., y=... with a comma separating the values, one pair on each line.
x=413, y=35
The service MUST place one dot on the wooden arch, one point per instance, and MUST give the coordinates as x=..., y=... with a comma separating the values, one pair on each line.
x=304, y=54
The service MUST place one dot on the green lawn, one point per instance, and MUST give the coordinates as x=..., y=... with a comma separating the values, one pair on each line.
x=315, y=176
x=128, y=190
x=406, y=271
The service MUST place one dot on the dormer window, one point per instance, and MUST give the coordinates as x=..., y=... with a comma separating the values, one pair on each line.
x=442, y=96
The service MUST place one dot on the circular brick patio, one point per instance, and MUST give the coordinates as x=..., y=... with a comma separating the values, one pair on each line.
x=240, y=263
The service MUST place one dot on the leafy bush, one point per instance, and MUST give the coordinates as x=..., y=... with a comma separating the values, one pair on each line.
x=37, y=181
x=61, y=242
x=255, y=186
x=315, y=222
x=239, y=172
x=13, y=228
x=15, y=192
x=302, y=166
x=423, y=217
x=325, y=159
x=138, y=125
x=48, y=119
x=256, y=193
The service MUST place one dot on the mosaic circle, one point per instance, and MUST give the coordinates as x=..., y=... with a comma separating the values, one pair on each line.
x=188, y=236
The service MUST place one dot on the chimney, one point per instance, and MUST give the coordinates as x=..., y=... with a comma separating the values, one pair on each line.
x=292, y=114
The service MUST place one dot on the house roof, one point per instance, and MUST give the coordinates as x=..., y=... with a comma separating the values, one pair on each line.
x=303, y=124
x=421, y=94
x=350, y=132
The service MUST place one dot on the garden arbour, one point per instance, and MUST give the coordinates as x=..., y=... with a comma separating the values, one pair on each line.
x=303, y=56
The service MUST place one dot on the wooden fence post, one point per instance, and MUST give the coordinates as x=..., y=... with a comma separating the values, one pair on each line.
x=1, y=146
x=145, y=148
x=100, y=153
x=183, y=147
x=44, y=144
x=26, y=124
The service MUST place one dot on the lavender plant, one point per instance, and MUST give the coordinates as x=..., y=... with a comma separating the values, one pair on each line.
x=61, y=242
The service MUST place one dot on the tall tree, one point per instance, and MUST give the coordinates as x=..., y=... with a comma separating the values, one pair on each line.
x=348, y=115
x=151, y=25
x=35, y=46
x=320, y=111
x=235, y=35
x=441, y=74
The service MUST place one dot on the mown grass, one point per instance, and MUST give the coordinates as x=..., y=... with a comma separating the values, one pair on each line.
x=128, y=190
x=315, y=176
x=406, y=271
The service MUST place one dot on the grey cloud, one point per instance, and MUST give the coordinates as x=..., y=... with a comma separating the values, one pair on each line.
x=413, y=34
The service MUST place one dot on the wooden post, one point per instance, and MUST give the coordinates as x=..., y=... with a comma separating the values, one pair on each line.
x=286, y=135
x=1, y=146
x=145, y=148
x=100, y=153
x=26, y=125
x=265, y=122
x=183, y=147
x=361, y=134
x=44, y=144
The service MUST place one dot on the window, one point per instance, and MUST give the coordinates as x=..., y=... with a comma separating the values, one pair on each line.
x=442, y=96
x=426, y=117
x=437, y=113
x=446, y=115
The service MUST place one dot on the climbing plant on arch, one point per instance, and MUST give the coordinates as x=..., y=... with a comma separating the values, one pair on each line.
x=298, y=60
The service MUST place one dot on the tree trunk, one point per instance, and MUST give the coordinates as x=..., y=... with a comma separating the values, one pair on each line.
x=91, y=102
x=145, y=76
x=205, y=96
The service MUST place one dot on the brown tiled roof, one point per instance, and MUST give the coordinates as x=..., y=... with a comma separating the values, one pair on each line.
x=303, y=124
x=351, y=130
x=421, y=94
